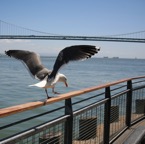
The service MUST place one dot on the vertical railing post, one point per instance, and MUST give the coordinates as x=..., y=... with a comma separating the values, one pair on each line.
x=129, y=103
x=107, y=115
x=69, y=122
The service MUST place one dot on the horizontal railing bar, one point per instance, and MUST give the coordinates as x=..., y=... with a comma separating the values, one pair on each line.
x=10, y=139
x=57, y=120
x=118, y=135
x=120, y=93
x=138, y=81
x=88, y=98
x=34, y=129
x=139, y=77
x=91, y=106
x=30, y=118
x=138, y=120
x=138, y=87
x=32, y=105
x=118, y=88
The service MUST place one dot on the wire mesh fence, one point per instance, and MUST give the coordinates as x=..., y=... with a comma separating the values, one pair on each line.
x=118, y=114
x=88, y=125
x=52, y=133
x=138, y=104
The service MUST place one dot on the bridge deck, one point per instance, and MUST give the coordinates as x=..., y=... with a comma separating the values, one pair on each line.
x=80, y=38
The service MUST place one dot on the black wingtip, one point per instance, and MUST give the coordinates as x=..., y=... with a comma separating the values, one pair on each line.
x=90, y=50
x=7, y=53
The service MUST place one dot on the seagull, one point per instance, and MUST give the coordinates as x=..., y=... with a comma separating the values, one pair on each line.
x=49, y=78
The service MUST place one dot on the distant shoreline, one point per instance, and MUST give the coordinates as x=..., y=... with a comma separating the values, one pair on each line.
x=105, y=57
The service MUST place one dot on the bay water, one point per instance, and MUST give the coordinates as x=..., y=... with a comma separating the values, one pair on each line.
x=15, y=78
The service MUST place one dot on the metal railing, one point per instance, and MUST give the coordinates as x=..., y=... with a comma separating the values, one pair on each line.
x=93, y=115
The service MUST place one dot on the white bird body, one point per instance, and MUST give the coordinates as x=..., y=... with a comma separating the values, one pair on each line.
x=43, y=84
x=49, y=83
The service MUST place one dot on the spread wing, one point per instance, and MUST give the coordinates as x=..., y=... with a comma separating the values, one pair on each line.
x=73, y=53
x=32, y=62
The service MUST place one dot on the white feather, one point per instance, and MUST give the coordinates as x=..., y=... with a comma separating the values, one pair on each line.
x=41, y=84
x=45, y=83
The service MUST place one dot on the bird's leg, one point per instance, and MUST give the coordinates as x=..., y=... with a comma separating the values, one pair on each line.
x=55, y=91
x=47, y=94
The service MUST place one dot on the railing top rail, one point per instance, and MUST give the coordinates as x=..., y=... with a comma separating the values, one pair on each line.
x=32, y=105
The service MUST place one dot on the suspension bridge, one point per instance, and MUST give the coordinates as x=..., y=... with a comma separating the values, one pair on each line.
x=12, y=31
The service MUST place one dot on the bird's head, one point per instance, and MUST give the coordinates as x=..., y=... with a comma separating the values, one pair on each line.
x=62, y=78
x=98, y=48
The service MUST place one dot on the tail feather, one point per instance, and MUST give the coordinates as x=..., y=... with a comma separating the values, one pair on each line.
x=40, y=84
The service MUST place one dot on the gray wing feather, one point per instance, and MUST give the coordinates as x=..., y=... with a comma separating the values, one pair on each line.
x=32, y=62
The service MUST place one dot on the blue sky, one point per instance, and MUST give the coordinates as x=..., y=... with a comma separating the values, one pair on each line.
x=77, y=17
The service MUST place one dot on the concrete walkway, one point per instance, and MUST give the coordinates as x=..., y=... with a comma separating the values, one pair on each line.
x=128, y=132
